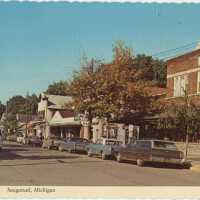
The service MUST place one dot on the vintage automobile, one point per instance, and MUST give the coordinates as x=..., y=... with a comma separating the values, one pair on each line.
x=74, y=145
x=34, y=141
x=52, y=142
x=159, y=151
x=104, y=147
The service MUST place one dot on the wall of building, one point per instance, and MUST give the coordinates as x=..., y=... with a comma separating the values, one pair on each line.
x=183, y=65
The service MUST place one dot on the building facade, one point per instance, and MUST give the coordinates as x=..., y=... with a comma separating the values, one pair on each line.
x=58, y=121
x=183, y=76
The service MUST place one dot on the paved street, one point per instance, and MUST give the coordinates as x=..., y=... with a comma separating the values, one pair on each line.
x=24, y=165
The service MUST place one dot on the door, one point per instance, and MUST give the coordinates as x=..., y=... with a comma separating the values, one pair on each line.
x=142, y=150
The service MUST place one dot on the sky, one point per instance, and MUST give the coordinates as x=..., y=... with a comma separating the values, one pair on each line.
x=43, y=42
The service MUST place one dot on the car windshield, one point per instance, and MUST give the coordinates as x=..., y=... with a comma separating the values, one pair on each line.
x=165, y=145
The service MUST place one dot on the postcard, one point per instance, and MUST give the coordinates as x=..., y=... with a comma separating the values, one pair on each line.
x=99, y=100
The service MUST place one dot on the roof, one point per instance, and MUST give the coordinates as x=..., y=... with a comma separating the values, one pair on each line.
x=188, y=54
x=66, y=113
x=57, y=100
x=157, y=140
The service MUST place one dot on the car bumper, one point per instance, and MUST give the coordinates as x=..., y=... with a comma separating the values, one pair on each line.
x=171, y=161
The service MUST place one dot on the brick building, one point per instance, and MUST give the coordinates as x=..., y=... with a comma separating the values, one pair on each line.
x=183, y=74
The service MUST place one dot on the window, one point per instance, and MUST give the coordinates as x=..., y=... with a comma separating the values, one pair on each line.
x=198, y=82
x=180, y=85
x=143, y=145
x=165, y=145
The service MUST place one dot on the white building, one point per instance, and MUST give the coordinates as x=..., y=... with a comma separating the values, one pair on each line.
x=57, y=118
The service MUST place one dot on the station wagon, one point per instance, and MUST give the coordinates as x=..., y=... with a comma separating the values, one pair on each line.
x=160, y=151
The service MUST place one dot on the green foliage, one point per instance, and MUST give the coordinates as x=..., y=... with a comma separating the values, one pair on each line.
x=10, y=124
x=58, y=88
x=151, y=69
x=185, y=116
x=22, y=105
x=2, y=109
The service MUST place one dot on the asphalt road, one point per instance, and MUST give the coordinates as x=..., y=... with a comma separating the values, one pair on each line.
x=24, y=165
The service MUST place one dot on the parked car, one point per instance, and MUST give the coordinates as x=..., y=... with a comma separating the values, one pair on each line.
x=52, y=142
x=74, y=145
x=104, y=147
x=11, y=138
x=34, y=141
x=159, y=151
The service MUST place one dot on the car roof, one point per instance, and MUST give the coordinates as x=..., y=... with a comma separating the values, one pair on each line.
x=109, y=139
x=152, y=140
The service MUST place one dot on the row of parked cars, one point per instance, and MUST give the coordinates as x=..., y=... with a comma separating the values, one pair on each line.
x=140, y=151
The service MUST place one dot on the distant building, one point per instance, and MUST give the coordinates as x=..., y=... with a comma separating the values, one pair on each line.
x=57, y=119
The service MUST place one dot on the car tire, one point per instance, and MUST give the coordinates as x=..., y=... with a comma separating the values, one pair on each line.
x=118, y=157
x=140, y=162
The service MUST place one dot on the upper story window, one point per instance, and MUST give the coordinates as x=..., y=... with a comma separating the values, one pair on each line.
x=180, y=85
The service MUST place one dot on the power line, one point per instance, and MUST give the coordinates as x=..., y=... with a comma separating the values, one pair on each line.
x=175, y=53
x=175, y=49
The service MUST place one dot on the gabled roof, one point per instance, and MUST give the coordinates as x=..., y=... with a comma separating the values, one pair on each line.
x=56, y=100
x=185, y=55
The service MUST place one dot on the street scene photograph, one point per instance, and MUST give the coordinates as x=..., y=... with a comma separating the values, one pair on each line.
x=99, y=94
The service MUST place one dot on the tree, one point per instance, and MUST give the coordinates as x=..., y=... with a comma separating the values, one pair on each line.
x=151, y=69
x=10, y=124
x=2, y=108
x=58, y=88
x=113, y=89
x=186, y=116
x=22, y=105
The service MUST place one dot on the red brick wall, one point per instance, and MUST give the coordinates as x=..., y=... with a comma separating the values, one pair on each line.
x=180, y=64
x=170, y=87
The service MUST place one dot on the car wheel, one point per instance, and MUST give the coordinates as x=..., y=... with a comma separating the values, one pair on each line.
x=140, y=162
x=60, y=148
x=119, y=158
x=103, y=156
